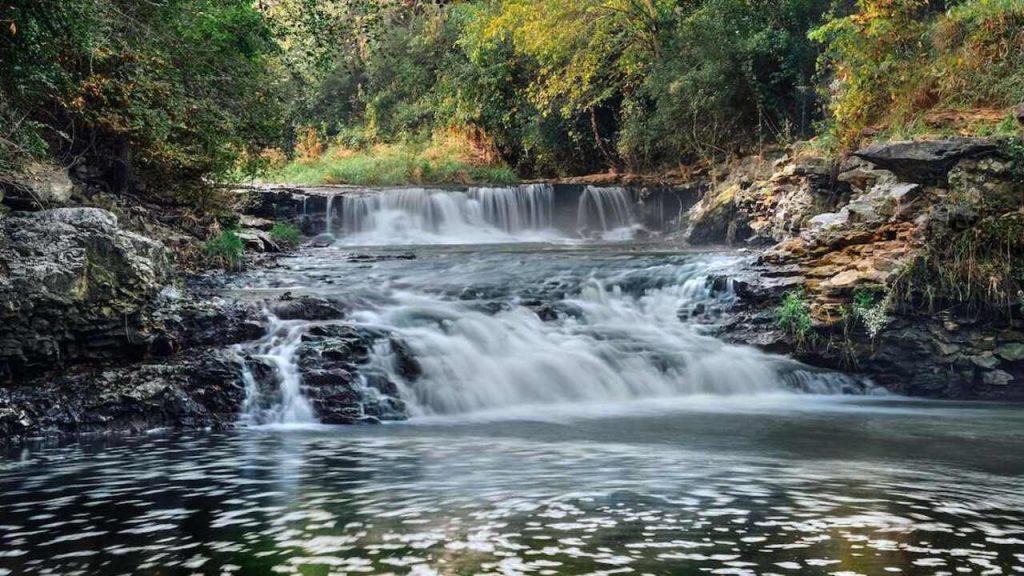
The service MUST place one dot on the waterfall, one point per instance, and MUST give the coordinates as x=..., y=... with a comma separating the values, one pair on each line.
x=328, y=215
x=610, y=340
x=603, y=209
x=428, y=216
x=277, y=352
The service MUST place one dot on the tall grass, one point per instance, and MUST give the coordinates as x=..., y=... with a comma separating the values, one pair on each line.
x=392, y=165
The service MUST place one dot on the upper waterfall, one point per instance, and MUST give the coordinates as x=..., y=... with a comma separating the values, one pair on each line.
x=431, y=216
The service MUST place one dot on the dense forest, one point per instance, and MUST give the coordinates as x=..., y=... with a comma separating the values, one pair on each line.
x=173, y=95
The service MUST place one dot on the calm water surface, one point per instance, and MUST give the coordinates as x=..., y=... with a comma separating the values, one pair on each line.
x=762, y=485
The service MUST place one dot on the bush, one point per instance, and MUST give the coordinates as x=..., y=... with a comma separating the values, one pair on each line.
x=793, y=317
x=225, y=250
x=286, y=234
x=905, y=67
x=138, y=88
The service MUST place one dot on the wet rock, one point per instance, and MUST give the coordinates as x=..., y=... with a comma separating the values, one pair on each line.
x=405, y=361
x=1011, y=351
x=199, y=390
x=308, y=308
x=925, y=162
x=997, y=378
x=76, y=288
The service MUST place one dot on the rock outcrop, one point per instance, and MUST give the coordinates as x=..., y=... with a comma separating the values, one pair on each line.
x=74, y=287
x=853, y=245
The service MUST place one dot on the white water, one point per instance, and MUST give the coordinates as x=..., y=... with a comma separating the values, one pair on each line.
x=613, y=348
x=603, y=210
x=279, y=350
x=482, y=215
x=428, y=216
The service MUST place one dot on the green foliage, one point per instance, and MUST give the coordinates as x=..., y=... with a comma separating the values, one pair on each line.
x=225, y=250
x=793, y=315
x=1013, y=148
x=976, y=269
x=177, y=89
x=569, y=86
x=391, y=165
x=872, y=310
x=285, y=234
x=909, y=67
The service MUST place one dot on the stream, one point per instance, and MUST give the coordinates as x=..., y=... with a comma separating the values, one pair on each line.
x=570, y=412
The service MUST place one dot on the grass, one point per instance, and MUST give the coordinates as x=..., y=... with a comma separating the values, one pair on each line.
x=793, y=316
x=225, y=250
x=286, y=235
x=392, y=165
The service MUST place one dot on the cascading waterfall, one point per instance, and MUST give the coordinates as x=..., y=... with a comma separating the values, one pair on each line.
x=426, y=216
x=277, y=350
x=606, y=346
x=603, y=210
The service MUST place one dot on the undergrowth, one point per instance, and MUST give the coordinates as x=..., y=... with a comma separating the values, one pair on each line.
x=286, y=234
x=793, y=316
x=434, y=162
x=225, y=250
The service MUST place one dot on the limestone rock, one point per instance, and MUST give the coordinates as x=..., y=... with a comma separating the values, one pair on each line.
x=925, y=162
x=41, y=185
x=75, y=288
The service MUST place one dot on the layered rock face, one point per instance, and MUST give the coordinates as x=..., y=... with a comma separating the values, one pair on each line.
x=863, y=245
x=74, y=287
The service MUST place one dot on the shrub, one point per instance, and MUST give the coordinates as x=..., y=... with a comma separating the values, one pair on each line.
x=871, y=310
x=905, y=67
x=793, y=316
x=225, y=250
x=286, y=234
x=309, y=148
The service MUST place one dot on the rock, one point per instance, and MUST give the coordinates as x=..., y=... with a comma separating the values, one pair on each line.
x=925, y=162
x=76, y=288
x=997, y=378
x=985, y=360
x=255, y=222
x=1011, y=352
x=195, y=390
x=308, y=308
x=39, y=186
x=1018, y=112
x=258, y=240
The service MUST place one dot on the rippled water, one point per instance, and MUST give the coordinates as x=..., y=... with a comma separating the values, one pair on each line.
x=573, y=415
x=824, y=486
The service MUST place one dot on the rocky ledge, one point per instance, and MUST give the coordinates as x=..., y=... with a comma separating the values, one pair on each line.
x=904, y=262
x=101, y=333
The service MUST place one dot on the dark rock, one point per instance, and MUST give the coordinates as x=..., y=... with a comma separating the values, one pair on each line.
x=925, y=162
x=75, y=288
x=405, y=362
x=198, y=390
x=308, y=308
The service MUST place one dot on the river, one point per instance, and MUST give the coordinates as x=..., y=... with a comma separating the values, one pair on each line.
x=571, y=412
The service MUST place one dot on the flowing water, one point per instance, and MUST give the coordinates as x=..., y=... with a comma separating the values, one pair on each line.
x=571, y=413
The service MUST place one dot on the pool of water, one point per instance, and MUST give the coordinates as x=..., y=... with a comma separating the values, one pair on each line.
x=741, y=485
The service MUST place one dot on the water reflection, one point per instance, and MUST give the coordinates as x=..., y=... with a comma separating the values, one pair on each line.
x=519, y=498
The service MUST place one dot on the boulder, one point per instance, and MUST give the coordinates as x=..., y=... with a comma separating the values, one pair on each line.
x=258, y=240
x=39, y=186
x=925, y=162
x=74, y=287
